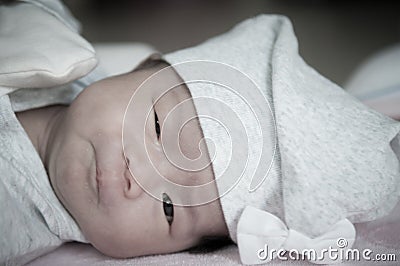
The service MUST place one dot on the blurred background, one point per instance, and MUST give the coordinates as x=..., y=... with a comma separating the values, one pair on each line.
x=334, y=36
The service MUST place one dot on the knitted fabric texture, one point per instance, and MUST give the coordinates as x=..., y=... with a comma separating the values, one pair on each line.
x=334, y=157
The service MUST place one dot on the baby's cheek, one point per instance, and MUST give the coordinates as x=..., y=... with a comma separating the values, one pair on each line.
x=108, y=240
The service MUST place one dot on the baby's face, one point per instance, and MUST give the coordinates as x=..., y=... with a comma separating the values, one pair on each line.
x=95, y=181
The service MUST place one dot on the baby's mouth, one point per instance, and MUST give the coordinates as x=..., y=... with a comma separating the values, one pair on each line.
x=94, y=180
x=98, y=183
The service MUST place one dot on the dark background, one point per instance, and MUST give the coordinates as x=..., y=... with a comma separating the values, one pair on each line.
x=334, y=36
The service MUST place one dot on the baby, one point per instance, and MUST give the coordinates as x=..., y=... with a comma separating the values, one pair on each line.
x=236, y=138
x=81, y=148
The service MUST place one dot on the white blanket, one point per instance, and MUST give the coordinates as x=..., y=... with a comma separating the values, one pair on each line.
x=32, y=219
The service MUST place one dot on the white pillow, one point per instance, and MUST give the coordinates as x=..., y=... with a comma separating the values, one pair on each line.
x=376, y=82
x=40, y=46
x=376, y=74
x=122, y=57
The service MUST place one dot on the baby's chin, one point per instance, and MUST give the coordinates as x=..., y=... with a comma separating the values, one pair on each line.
x=108, y=245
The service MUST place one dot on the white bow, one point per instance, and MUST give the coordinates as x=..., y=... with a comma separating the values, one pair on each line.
x=260, y=232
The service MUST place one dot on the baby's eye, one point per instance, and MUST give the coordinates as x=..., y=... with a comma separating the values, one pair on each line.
x=157, y=125
x=168, y=208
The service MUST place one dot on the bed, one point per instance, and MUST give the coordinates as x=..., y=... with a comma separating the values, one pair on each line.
x=381, y=237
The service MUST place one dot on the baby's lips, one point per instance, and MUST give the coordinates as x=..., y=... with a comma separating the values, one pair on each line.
x=111, y=187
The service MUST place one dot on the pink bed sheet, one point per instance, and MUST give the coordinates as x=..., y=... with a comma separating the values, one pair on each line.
x=381, y=236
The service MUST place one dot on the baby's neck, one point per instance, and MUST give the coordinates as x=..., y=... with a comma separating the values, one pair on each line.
x=40, y=124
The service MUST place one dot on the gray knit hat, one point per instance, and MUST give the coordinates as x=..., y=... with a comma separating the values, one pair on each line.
x=296, y=159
